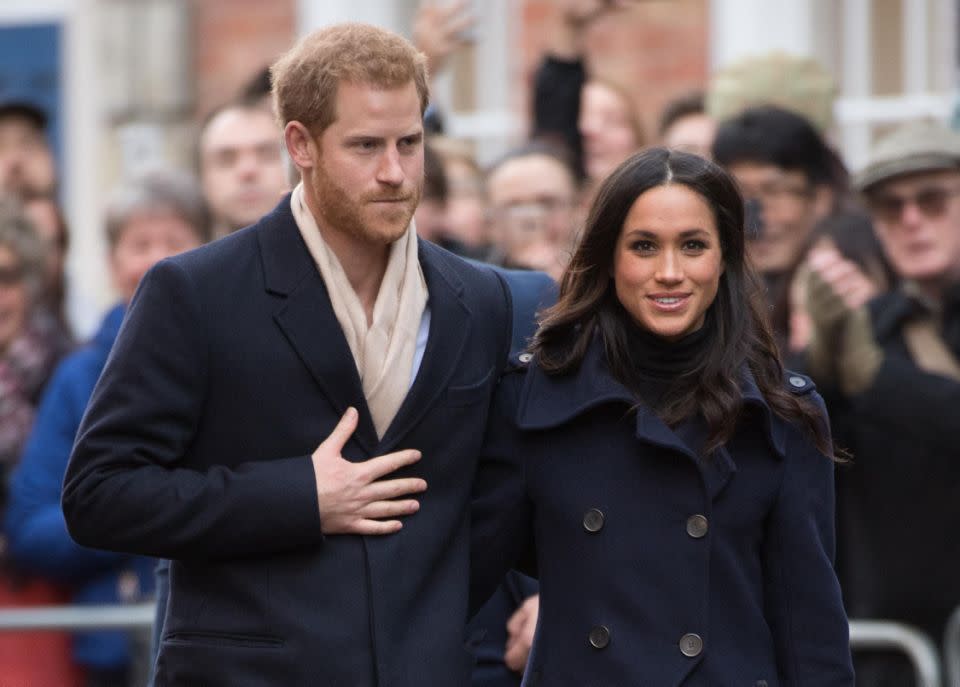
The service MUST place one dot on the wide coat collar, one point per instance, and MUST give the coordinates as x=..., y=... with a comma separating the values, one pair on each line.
x=550, y=401
x=306, y=317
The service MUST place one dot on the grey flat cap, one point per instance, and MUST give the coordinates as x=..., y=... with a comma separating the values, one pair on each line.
x=912, y=148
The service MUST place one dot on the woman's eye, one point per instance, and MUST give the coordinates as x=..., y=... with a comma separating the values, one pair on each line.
x=695, y=245
x=643, y=246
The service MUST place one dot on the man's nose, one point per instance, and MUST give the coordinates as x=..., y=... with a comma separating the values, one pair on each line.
x=390, y=171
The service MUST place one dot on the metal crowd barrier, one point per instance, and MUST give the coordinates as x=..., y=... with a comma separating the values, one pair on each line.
x=918, y=647
x=951, y=649
x=864, y=634
x=132, y=616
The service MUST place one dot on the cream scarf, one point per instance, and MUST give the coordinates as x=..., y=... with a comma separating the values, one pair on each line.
x=383, y=350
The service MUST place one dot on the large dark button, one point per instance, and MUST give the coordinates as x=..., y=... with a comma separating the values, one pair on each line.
x=697, y=526
x=599, y=637
x=691, y=645
x=593, y=520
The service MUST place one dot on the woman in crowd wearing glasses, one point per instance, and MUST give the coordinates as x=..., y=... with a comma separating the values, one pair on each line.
x=652, y=462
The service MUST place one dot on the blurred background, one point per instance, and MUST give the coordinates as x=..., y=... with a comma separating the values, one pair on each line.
x=127, y=82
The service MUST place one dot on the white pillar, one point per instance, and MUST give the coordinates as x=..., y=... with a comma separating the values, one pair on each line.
x=313, y=14
x=90, y=289
x=857, y=79
x=744, y=28
x=916, y=35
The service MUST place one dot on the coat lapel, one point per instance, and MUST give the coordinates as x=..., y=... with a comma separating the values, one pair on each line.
x=305, y=315
x=552, y=401
x=449, y=331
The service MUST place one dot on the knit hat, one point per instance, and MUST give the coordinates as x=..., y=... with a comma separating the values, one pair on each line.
x=794, y=83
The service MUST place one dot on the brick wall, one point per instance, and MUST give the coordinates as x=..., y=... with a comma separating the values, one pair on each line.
x=233, y=39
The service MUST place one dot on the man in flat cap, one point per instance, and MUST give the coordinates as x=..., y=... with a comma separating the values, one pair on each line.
x=895, y=365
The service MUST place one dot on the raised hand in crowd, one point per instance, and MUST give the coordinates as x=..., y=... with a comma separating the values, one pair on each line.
x=440, y=29
x=842, y=348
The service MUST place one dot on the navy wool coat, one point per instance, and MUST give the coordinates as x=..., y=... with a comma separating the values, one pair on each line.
x=655, y=567
x=228, y=372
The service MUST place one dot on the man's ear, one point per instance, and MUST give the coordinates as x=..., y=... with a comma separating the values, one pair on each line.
x=300, y=144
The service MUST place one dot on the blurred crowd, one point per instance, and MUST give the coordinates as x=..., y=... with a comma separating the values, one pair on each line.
x=862, y=270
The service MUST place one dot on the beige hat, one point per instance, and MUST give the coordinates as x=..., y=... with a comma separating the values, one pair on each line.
x=794, y=83
x=911, y=148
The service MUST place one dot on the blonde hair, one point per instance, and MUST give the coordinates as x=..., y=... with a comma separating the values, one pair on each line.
x=306, y=77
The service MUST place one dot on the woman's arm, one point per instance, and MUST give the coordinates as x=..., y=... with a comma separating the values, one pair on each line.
x=804, y=605
x=501, y=524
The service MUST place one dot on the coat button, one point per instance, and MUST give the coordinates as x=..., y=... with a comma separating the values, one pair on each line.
x=697, y=526
x=599, y=637
x=691, y=645
x=798, y=382
x=593, y=520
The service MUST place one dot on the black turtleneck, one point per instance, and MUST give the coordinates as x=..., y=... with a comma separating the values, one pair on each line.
x=662, y=366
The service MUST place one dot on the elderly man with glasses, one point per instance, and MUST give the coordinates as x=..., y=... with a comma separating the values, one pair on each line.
x=894, y=360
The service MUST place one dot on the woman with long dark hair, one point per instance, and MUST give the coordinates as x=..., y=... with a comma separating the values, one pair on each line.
x=652, y=462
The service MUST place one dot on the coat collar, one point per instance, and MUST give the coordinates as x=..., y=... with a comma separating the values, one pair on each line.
x=549, y=401
x=306, y=317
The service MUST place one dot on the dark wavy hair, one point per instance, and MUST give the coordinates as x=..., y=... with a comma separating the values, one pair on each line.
x=588, y=305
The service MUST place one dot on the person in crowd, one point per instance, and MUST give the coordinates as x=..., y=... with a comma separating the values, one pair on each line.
x=263, y=414
x=27, y=354
x=610, y=127
x=791, y=180
x=651, y=443
x=685, y=125
x=431, y=213
x=560, y=77
x=26, y=161
x=149, y=218
x=848, y=233
x=532, y=199
x=466, y=217
x=895, y=360
x=242, y=167
x=48, y=221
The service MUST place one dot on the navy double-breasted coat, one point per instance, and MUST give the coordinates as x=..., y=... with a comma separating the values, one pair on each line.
x=228, y=372
x=656, y=567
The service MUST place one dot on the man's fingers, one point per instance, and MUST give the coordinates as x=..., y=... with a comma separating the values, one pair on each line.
x=375, y=527
x=391, y=489
x=516, y=621
x=383, y=465
x=343, y=431
x=389, y=509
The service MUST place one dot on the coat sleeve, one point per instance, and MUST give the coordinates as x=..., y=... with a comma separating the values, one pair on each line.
x=905, y=396
x=501, y=518
x=127, y=487
x=36, y=531
x=805, y=608
x=556, y=104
